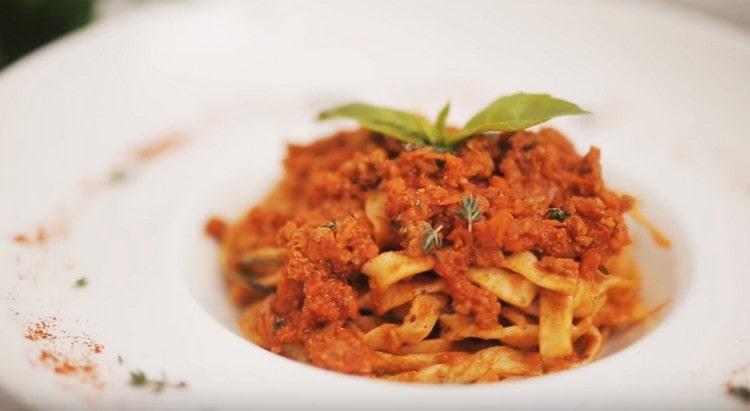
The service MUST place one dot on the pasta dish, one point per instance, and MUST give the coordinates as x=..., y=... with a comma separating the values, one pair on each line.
x=496, y=254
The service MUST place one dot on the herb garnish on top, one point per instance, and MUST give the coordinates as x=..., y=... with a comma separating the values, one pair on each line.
x=510, y=113
x=470, y=210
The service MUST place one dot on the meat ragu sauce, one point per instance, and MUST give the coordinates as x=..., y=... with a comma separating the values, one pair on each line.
x=308, y=302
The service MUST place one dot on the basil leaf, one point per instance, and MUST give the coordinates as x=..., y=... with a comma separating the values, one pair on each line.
x=440, y=122
x=510, y=113
x=516, y=112
x=407, y=127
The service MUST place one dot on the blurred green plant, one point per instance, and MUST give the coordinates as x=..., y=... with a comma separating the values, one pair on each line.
x=28, y=24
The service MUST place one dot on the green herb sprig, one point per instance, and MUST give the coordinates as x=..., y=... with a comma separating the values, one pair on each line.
x=470, y=210
x=81, y=282
x=510, y=113
x=557, y=213
x=432, y=238
x=139, y=379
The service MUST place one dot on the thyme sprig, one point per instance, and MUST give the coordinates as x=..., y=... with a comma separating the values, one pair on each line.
x=470, y=210
x=432, y=238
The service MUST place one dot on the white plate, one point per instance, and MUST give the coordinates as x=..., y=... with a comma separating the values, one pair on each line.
x=236, y=80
